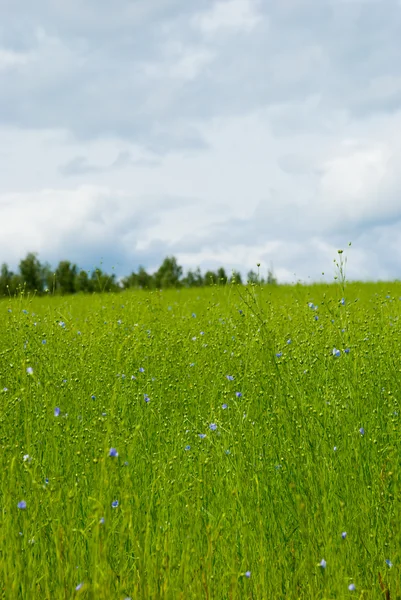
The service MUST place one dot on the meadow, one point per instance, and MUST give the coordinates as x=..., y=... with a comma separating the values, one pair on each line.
x=220, y=443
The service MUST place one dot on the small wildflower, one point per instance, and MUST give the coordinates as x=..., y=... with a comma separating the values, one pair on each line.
x=322, y=563
x=193, y=315
x=25, y=311
x=202, y=435
x=344, y=535
x=101, y=521
x=188, y=447
x=213, y=426
x=114, y=504
x=22, y=505
x=224, y=406
x=316, y=318
x=336, y=352
x=289, y=341
x=194, y=338
x=238, y=394
x=362, y=431
x=389, y=563
x=141, y=370
x=311, y=305
x=44, y=342
x=230, y=377
x=26, y=458
x=29, y=370
x=342, y=301
x=93, y=397
x=62, y=324
x=113, y=452
x=192, y=365
x=352, y=587
x=248, y=574
x=146, y=398
x=78, y=587
x=228, y=452
x=202, y=333
x=104, y=414
x=46, y=481
x=279, y=354
x=56, y=411
x=335, y=449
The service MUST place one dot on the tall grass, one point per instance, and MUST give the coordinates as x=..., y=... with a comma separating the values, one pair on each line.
x=252, y=461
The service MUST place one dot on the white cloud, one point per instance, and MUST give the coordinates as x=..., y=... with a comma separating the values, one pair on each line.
x=271, y=134
x=234, y=15
x=10, y=59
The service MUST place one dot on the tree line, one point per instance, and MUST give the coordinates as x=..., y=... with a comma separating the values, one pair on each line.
x=36, y=277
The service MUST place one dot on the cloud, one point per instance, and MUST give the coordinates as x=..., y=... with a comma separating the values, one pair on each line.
x=223, y=131
x=80, y=166
x=231, y=15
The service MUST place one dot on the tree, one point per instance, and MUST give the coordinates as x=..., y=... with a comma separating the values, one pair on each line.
x=5, y=280
x=236, y=277
x=271, y=279
x=83, y=283
x=221, y=276
x=210, y=278
x=169, y=273
x=32, y=273
x=66, y=277
x=193, y=278
x=252, y=277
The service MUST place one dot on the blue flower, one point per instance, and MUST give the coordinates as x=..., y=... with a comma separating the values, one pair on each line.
x=78, y=587
x=279, y=354
x=342, y=301
x=188, y=447
x=311, y=305
x=146, y=398
x=213, y=426
x=289, y=341
x=56, y=411
x=101, y=521
x=322, y=563
x=248, y=574
x=335, y=449
x=46, y=481
x=346, y=351
x=316, y=318
x=362, y=431
x=238, y=394
x=113, y=452
x=93, y=397
x=141, y=370
x=344, y=535
x=224, y=406
x=44, y=342
x=62, y=324
x=114, y=504
x=24, y=311
x=230, y=377
x=29, y=370
x=193, y=315
x=389, y=563
x=22, y=505
x=202, y=435
x=352, y=587
x=336, y=352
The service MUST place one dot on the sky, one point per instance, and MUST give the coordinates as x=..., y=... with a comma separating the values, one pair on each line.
x=222, y=132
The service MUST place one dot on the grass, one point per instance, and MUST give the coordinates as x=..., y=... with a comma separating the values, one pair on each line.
x=304, y=446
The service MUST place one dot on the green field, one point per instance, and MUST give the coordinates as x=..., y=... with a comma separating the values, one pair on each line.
x=250, y=461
